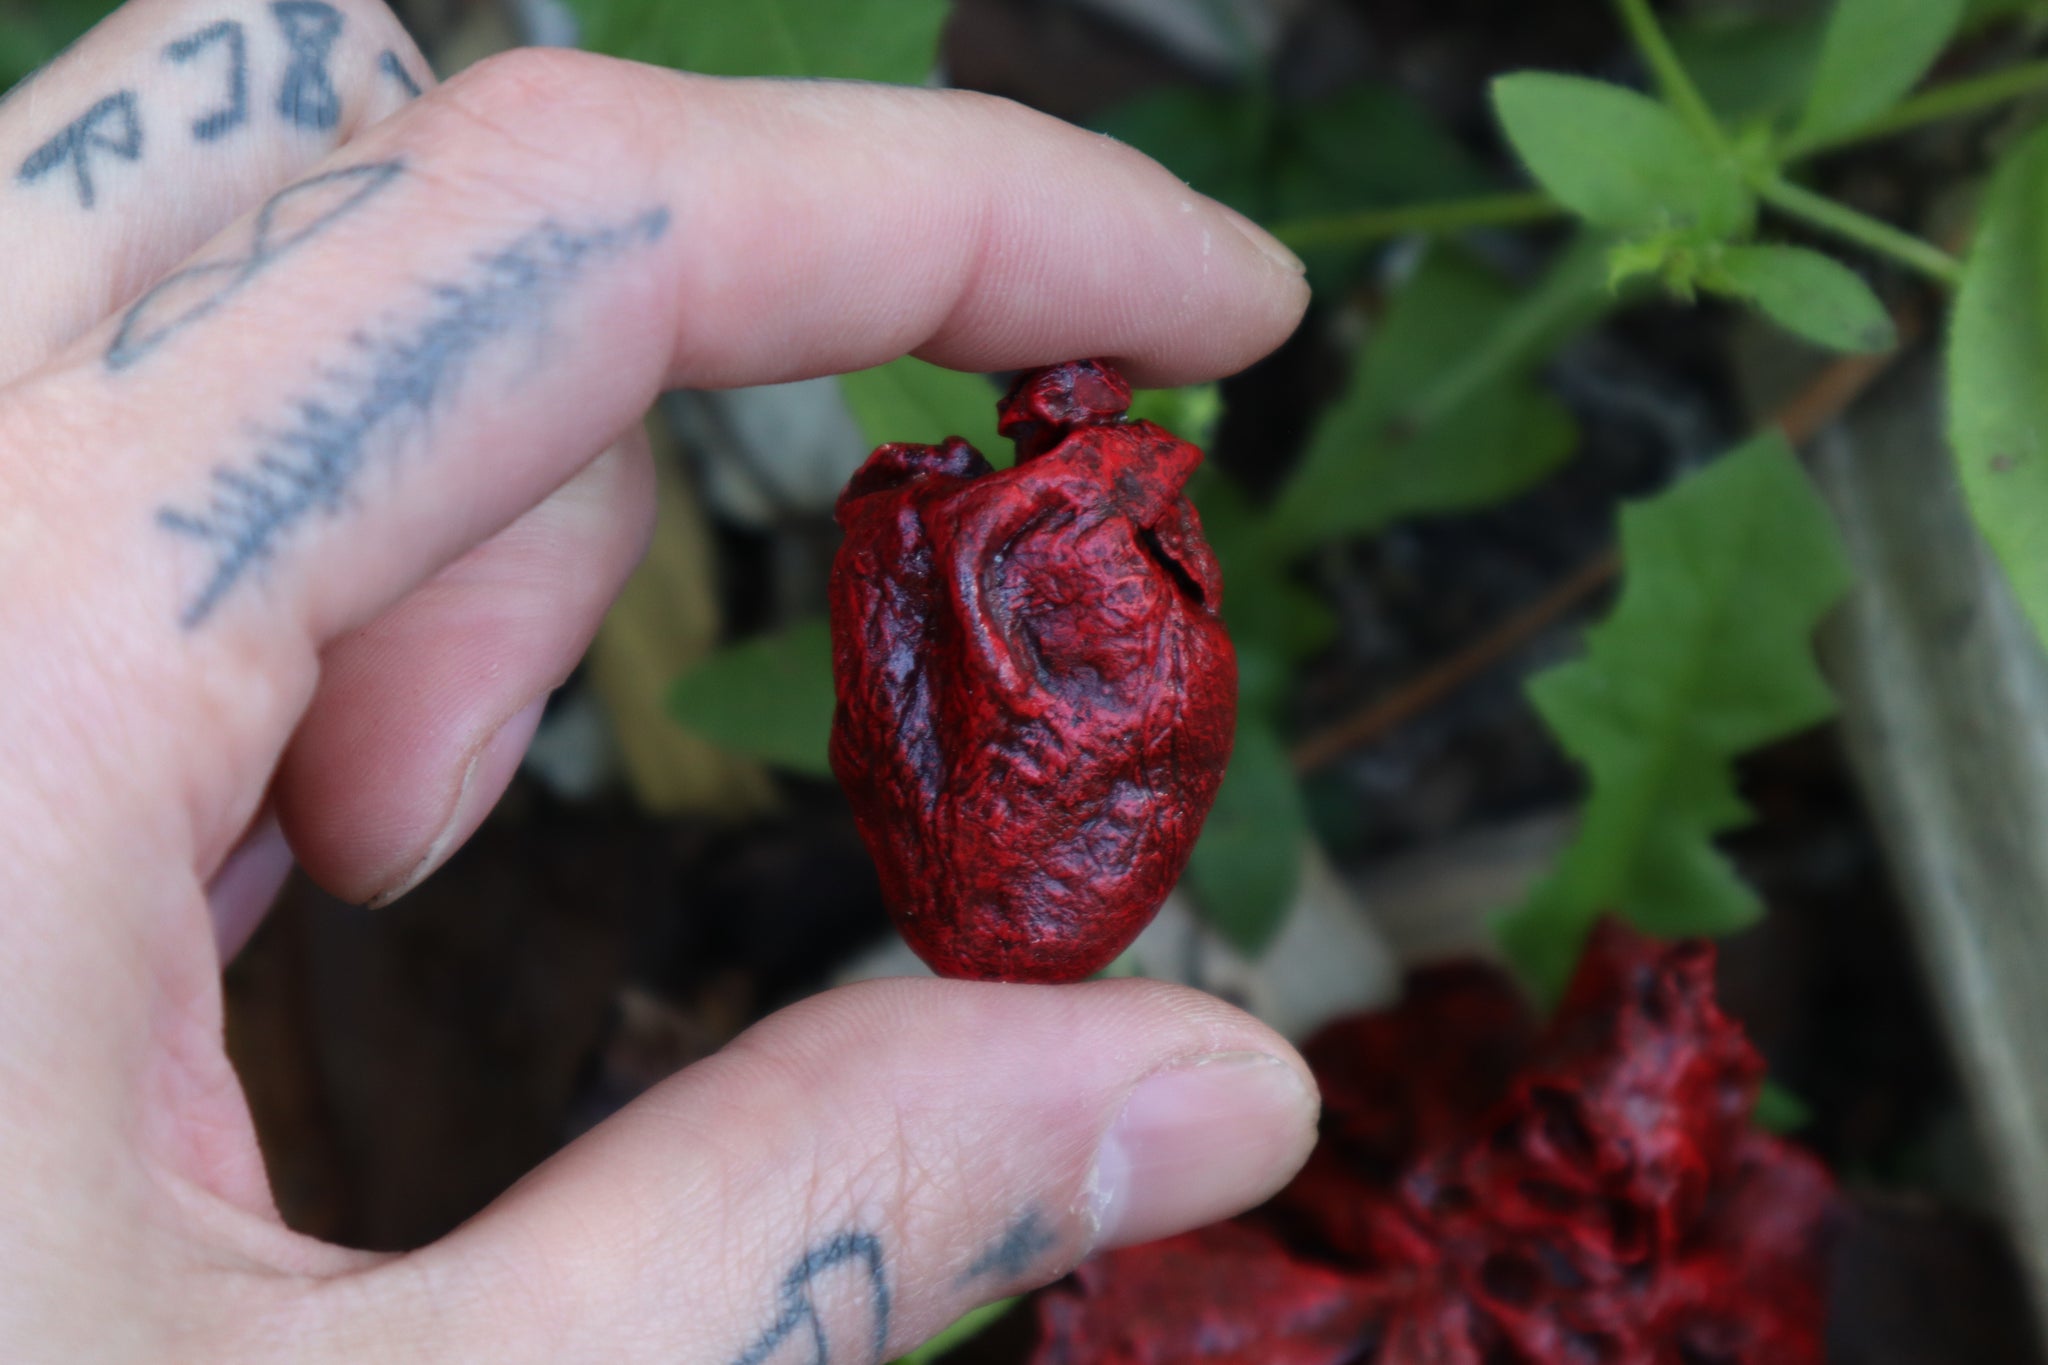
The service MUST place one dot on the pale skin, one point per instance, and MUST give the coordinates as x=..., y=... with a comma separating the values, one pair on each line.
x=313, y=380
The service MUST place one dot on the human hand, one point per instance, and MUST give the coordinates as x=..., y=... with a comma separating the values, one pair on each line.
x=296, y=535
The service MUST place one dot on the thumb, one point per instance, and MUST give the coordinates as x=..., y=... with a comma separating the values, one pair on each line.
x=853, y=1174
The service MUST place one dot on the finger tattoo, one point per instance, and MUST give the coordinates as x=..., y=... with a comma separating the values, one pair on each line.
x=112, y=129
x=309, y=463
x=112, y=126
x=391, y=66
x=797, y=1313
x=235, y=112
x=294, y=216
x=309, y=98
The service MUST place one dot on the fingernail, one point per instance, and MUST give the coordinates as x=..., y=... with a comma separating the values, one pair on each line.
x=1200, y=1142
x=491, y=765
x=1271, y=247
x=241, y=891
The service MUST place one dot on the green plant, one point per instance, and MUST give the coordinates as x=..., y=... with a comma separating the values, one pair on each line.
x=964, y=1329
x=1703, y=658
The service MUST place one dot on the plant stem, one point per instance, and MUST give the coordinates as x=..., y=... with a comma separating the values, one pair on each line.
x=1449, y=215
x=1862, y=229
x=1568, y=298
x=1942, y=102
x=1671, y=75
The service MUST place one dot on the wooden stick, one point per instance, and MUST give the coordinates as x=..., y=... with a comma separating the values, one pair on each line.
x=1800, y=417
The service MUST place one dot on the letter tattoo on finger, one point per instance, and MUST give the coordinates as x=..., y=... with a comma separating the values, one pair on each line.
x=391, y=66
x=309, y=98
x=1011, y=1257
x=111, y=126
x=235, y=112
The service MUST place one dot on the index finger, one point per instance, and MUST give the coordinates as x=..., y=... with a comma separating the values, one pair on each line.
x=393, y=360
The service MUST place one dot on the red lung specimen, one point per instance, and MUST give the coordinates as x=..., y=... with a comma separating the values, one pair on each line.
x=1036, y=694
x=1228, y=1294
x=1593, y=1196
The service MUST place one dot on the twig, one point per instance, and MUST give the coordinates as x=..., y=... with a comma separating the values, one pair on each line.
x=1425, y=691
x=1800, y=417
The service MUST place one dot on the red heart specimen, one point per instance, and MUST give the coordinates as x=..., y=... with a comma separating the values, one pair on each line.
x=1036, y=694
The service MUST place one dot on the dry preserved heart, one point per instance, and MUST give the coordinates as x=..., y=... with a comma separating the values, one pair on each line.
x=1036, y=694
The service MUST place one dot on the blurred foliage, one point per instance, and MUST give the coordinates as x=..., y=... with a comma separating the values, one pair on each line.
x=1976, y=12
x=868, y=40
x=1621, y=160
x=768, y=698
x=1872, y=54
x=964, y=1329
x=1750, y=68
x=1808, y=294
x=1442, y=412
x=910, y=401
x=1998, y=355
x=1705, y=656
x=1366, y=147
x=34, y=31
x=1247, y=864
x=1780, y=1111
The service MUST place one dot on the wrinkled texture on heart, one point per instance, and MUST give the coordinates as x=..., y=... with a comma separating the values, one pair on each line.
x=1036, y=693
x=1483, y=1193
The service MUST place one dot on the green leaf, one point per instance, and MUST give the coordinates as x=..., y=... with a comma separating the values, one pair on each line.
x=34, y=32
x=1619, y=159
x=1814, y=296
x=1442, y=413
x=1705, y=656
x=868, y=40
x=1274, y=621
x=1873, y=54
x=1247, y=863
x=1780, y=1111
x=23, y=48
x=1980, y=12
x=1369, y=146
x=1749, y=66
x=1216, y=141
x=964, y=1329
x=909, y=400
x=768, y=698
x=1366, y=146
x=1190, y=413
x=1997, y=361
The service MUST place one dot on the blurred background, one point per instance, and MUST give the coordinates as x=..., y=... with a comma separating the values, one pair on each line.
x=673, y=861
